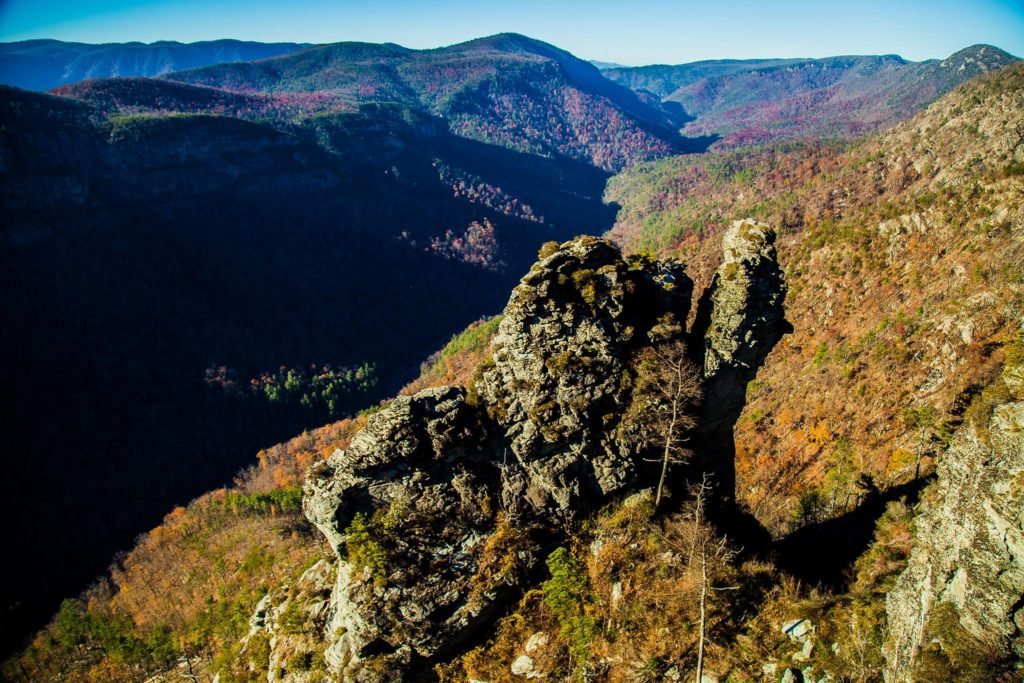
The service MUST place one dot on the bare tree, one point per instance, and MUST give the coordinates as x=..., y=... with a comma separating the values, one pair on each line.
x=662, y=412
x=708, y=555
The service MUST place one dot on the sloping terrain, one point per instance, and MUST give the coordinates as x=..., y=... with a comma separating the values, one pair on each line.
x=902, y=254
x=744, y=103
x=46, y=64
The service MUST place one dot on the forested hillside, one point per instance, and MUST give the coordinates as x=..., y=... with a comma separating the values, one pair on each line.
x=903, y=264
x=190, y=287
x=506, y=89
x=741, y=103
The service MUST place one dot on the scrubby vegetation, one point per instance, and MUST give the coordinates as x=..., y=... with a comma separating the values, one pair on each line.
x=227, y=548
x=623, y=603
x=892, y=336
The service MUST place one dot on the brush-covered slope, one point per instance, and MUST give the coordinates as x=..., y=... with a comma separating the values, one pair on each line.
x=902, y=253
x=436, y=507
x=448, y=506
x=506, y=89
x=759, y=101
x=46, y=64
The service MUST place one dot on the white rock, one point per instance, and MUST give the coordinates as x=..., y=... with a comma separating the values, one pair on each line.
x=616, y=595
x=535, y=642
x=797, y=629
x=523, y=665
x=808, y=648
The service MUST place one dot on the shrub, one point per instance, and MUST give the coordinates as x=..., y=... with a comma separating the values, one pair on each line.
x=547, y=249
x=567, y=594
x=363, y=549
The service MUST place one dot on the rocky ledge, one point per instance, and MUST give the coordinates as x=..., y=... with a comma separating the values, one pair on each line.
x=442, y=507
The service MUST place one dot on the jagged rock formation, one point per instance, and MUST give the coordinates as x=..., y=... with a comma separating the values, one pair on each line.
x=421, y=470
x=441, y=505
x=968, y=551
x=560, y=355
x=743, y=314
x=739, y=319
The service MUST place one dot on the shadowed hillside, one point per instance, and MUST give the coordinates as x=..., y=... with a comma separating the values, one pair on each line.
x=169, y=274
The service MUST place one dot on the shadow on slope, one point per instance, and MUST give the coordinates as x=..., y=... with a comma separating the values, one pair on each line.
x=823, y=553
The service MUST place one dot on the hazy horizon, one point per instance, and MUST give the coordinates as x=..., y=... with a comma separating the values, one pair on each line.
x=657, y=33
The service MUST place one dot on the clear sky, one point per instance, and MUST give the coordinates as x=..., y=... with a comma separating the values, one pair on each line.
x=626, y=31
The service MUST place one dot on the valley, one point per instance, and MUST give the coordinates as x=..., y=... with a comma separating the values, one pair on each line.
x=205, y=263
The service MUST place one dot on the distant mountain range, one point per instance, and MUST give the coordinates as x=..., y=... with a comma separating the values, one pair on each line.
x=46, y=64
x=607, y=65
x=751, y=101
x=505, y=89
x=533, y=97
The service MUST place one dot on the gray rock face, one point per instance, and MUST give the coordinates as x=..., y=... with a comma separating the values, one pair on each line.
x=407, y=508
x=742, y=314
x=556, y=384
x=968, y=551
x=286, y=627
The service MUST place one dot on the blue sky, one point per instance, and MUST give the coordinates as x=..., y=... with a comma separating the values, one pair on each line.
x=626, y=31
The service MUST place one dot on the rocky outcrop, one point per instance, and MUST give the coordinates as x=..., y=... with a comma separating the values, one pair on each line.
x=440, y=508
x=741, y=316
x=285, y=639
x=407, y=507
x=556, y=388
x=968, y=551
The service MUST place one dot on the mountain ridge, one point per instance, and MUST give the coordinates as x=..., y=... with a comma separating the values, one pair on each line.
x=747, y=102
x=43, y=64
x=506, y=89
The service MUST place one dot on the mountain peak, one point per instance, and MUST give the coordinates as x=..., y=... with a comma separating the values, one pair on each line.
x=508, y=41
x=978, y=58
